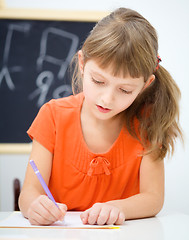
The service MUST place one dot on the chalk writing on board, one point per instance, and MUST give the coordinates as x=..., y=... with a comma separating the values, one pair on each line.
x=45, y=79
x=64, y=62
x=5, y=71
x=34, y=68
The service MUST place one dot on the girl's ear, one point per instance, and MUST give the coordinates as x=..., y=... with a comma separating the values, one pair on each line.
x=149, y=81
x=81, y=61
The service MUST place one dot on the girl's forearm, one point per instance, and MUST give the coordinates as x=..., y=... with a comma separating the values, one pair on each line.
x=141, y=205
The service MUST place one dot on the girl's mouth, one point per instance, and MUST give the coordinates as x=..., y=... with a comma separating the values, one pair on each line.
x=103, y=110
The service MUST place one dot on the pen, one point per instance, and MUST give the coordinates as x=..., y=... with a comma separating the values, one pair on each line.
x=44, y=185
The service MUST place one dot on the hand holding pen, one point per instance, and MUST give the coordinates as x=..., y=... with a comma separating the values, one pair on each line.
x=44, y=210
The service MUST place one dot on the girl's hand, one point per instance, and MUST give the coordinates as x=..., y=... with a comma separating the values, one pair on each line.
x=43, y=211
x=103, y=213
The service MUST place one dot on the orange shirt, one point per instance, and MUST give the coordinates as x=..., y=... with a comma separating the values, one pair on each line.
x=79, y=177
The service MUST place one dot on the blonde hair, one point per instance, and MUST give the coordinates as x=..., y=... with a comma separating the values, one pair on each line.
x=128, y=42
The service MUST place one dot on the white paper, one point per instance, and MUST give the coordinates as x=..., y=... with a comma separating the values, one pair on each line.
x=71, y=220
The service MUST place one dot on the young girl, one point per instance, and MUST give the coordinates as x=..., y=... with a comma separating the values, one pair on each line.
x=101, y=151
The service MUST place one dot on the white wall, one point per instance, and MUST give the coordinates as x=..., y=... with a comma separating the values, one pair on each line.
x=171, y=19
x=11, y=167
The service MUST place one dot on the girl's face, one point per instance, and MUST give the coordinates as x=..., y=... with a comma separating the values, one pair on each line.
x=107, y=96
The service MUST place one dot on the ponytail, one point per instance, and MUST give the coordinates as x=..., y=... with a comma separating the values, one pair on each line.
x=157, y=111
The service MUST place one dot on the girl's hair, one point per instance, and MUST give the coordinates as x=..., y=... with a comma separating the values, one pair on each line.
x=128, y=42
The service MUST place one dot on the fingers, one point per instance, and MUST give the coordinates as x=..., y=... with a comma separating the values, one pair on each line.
x=49, y=210
x=63, y=209
x=93, y=213
x=121, y=219
x=84, y=216
x=44, y=212
x=103, y=216
x=103, y=213
x=36, y=219
x=113, y=216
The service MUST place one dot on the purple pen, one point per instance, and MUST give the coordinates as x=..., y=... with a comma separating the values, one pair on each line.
x=44, y=185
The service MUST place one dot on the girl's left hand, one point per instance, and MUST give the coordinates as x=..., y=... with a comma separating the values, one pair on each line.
x=103, y=213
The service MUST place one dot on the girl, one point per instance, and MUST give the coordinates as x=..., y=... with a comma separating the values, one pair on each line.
x=101, y=151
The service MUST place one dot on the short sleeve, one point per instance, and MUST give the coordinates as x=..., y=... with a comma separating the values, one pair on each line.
x=43, y=127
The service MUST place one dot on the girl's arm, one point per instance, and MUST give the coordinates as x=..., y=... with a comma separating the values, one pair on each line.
x=33, y=202
x=150, y=200
x=145, y=204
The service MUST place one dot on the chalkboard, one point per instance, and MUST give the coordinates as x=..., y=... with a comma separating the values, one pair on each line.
x=34, y=60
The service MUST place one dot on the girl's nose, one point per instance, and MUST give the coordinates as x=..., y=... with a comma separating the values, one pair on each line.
x=107, y=98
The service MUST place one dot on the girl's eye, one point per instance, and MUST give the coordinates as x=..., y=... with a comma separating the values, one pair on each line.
x=125, y=91
x=97, y=82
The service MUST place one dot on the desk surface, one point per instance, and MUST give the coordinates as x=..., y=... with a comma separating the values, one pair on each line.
x=163, y=227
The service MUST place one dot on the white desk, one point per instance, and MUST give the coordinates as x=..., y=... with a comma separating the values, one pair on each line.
x=163, y=227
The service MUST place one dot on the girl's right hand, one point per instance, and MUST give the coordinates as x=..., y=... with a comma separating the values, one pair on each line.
x=43, y=211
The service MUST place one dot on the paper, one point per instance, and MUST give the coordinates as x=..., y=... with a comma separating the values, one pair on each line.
x=71, y=220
